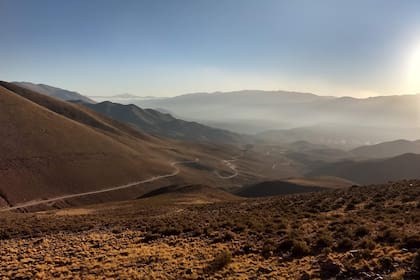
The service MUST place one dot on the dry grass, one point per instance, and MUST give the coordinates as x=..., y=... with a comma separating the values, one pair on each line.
x=361, y=232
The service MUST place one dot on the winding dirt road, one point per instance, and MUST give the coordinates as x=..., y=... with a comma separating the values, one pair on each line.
x=129, y=185
x=229, y=163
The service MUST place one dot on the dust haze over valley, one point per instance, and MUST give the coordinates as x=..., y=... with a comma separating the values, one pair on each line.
x=207, y=140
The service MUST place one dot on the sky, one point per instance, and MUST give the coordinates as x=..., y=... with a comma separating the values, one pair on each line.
x=357, y=48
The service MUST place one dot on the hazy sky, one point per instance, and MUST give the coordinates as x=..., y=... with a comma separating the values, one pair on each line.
x=165, y=48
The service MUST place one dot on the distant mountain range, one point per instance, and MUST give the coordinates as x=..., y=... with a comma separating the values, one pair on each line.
x=320, y=120
x=124, y=98
x=339, y=136
x=341, y=121
x=250, y=111
x=161, y=124
x=388, y=149
x=293, y=109
x=55, y=92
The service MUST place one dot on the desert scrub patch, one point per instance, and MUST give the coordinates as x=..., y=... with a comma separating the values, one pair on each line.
x=220, y=261
x=389, y=236
x=361, y=231
x=268, y=248
x=300, y=248
x=324, y=240
x=344, y=245
x=416, y=261
x=411, y=242
x=367, y=243
x=148, y=237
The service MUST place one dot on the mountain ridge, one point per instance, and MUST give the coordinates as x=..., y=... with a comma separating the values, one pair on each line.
x=402, y=167
x=162, y=124
x=55, y=92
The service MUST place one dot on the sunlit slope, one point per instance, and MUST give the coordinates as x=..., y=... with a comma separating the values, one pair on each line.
x=43, y=153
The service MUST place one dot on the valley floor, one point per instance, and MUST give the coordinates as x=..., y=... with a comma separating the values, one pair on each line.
x=360, y=233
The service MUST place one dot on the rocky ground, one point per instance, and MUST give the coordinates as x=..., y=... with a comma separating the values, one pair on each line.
x=369, y=232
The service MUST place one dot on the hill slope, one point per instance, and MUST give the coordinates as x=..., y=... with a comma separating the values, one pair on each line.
x=45, y=154
x=388, y=149
x=362, y=232
x=190, y=194
x=273, y=188
x=374, y=171
x=157, y=123
x=55, y=92
x=341, y=136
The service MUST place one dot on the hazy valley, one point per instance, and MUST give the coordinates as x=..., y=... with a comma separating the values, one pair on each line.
x=210, y=140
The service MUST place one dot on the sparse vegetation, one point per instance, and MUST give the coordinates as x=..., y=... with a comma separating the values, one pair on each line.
x=287, y=230
x=220, y=261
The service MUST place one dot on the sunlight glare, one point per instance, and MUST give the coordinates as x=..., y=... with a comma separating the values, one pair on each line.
x=413, y=70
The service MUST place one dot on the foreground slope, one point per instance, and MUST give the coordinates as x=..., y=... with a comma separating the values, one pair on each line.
x=369, y=232
x=44, y=153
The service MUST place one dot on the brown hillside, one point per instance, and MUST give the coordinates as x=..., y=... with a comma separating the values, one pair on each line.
x=190, y=194
x=363, y=232
x=52, y=148
x=74, y=112
x=44, y=153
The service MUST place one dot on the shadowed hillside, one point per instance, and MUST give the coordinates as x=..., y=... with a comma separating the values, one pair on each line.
x=157, y=123
x=388, y=149
x=405, y=166
x=193, y=194
x=273, y=188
